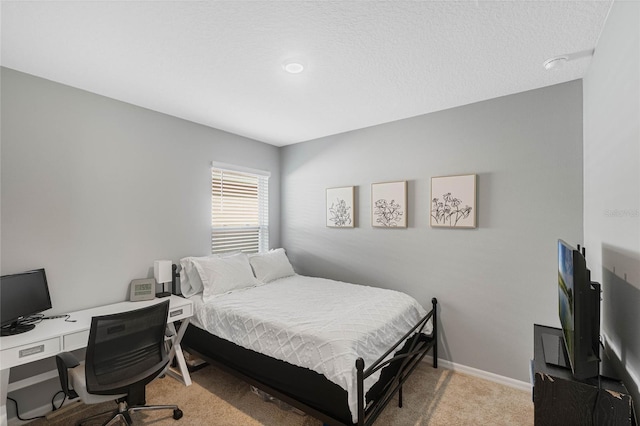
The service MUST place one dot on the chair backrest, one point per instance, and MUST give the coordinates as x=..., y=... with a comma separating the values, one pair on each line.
x=126, y=349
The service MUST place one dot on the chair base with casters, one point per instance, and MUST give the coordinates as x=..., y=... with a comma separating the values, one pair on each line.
x=123, y=413
x=72, y=378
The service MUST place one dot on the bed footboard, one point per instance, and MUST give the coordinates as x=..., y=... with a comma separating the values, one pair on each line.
x=409, y=360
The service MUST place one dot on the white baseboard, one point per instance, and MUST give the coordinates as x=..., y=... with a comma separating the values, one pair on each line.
x=496, y=378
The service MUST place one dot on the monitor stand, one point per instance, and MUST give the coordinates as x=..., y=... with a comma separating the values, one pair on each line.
x=554, y=351
x=16, y=328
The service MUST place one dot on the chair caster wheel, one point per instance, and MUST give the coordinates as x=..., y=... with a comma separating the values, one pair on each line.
x=177, y=414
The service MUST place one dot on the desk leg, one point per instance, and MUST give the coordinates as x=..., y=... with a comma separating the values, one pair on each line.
x=176, y=351
x=4, y=385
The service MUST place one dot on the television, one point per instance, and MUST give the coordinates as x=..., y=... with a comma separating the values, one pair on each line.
x=21, y=296
x=579, y=312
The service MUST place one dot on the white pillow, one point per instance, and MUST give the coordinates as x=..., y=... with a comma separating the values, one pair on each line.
x=190, y=282
x=271, y=265
x=221, y=275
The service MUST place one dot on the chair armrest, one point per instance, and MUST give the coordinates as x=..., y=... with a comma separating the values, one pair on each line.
x=64, y=361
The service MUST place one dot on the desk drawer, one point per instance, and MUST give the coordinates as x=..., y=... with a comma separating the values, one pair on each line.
x=75, y=341
x=180, y=313
x=31, y=352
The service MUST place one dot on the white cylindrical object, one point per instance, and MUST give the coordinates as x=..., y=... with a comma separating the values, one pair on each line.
x=162, y=271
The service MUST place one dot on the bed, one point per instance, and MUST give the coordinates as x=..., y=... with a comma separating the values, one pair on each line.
x=337, y=351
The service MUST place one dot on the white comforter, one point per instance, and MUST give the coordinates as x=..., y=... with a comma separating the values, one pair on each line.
x=316, y=323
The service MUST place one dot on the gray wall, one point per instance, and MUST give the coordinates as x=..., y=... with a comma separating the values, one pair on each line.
x=94, y=190
x=612, y=184
x=494, y=282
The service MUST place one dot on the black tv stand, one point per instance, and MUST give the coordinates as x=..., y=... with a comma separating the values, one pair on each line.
x=561, y=399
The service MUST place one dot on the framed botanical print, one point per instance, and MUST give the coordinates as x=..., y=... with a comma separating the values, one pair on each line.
x=389, y=204
x=340, y=207
x=453, y=201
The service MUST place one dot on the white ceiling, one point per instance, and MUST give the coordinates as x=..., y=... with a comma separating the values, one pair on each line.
x=219, y=63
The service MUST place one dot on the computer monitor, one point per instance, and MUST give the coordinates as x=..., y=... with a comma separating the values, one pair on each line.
x=22, y=295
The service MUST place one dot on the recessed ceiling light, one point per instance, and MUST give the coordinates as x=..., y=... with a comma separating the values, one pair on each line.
x=293, y=67
x=555, y=63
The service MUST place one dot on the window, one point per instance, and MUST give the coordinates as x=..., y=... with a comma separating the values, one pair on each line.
x=239, y=209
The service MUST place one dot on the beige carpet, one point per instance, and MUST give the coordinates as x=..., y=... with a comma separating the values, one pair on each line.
x=431, y=397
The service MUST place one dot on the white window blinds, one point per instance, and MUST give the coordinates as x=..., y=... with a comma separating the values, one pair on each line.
x=239, y=210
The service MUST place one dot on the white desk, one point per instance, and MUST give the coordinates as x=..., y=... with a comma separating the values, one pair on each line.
x=51, y=337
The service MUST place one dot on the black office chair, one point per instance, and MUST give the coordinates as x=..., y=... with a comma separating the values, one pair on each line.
x=125, y=352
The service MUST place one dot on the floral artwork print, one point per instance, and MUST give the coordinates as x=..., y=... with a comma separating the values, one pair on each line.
x=389, y=205
x=387, y=213
x=449, y=211
x=340, y=207
x=340, y=213
x=453, y=200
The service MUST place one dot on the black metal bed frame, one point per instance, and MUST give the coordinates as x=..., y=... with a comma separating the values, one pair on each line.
x=367, y=415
